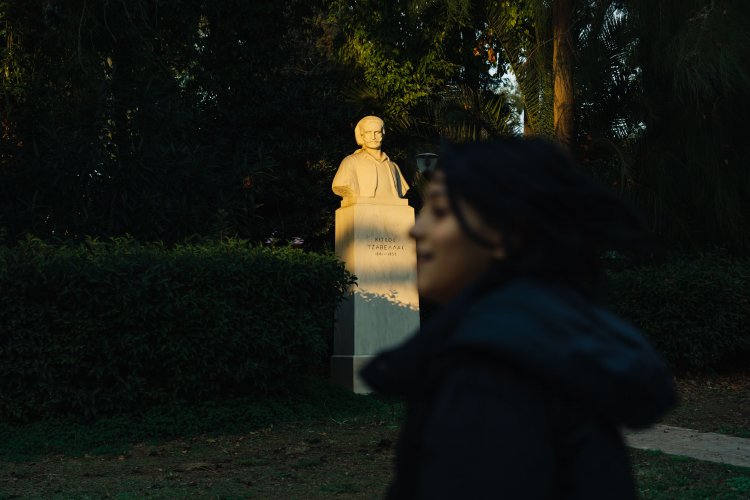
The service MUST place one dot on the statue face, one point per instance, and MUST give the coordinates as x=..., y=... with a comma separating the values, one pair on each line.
x=371, y=132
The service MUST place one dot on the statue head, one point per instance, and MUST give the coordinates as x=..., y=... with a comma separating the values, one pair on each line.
x=369, y=132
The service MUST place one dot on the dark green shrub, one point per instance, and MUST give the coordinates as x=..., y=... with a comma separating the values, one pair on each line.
x=695, y=312
x=107, y=328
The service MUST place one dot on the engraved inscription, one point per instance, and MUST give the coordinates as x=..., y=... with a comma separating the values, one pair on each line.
x=385, y=247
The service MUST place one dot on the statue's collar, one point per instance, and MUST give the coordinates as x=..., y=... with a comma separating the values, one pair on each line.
x=384, y=155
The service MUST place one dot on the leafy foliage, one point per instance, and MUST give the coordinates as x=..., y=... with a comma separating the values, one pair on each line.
x=104, y=328
x=425, y=67
x=695, y=312
x=164, y=121
x=522, y=31
x=608, y=92
x=657, y=97
x=171, y=120
x=691, y=167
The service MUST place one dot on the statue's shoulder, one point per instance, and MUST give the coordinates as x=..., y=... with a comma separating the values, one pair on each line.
x=353, y=158
x=392, y=163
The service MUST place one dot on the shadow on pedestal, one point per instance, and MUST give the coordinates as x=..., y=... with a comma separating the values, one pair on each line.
x=380, y=322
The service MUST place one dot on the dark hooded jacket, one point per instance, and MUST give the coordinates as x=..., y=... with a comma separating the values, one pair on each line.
x=521, y=394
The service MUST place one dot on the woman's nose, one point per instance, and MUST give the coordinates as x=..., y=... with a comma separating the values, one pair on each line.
x=416, y=230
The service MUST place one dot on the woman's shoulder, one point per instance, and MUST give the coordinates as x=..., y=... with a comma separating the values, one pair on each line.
x=570, y=344
x=531, y=311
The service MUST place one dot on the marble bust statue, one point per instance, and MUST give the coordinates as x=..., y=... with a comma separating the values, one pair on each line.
x=368, y=172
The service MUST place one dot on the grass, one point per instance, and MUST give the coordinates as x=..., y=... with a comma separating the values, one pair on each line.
x=340, y=446
x=114, y=435
x=662, y=476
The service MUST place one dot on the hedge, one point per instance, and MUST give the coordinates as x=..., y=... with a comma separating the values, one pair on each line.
x=113, y=328
x=101, y=329
x=696, y=312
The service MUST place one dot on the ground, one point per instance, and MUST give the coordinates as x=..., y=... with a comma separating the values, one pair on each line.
x=344, y=458
x=713, y=404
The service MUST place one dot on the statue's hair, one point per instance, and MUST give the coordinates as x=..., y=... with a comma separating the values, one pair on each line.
x=358, y=135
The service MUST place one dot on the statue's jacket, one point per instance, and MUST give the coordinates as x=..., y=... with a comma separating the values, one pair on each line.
x=357, y=176
x=521, y=392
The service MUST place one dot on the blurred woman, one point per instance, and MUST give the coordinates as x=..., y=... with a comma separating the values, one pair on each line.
x=518, y=387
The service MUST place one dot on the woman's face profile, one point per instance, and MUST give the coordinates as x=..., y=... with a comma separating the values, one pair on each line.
x=448, y=260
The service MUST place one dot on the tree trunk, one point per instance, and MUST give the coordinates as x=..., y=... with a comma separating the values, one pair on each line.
x=562, y=69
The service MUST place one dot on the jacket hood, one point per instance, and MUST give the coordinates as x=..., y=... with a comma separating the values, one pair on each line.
x=577, y=348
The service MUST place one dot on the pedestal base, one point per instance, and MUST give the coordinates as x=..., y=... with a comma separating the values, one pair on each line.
x=345, y=372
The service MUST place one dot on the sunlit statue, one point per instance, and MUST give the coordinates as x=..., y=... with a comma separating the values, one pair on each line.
x=368, y=172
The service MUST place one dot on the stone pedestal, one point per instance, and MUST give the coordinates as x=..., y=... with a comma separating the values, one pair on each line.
x=383, y=308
